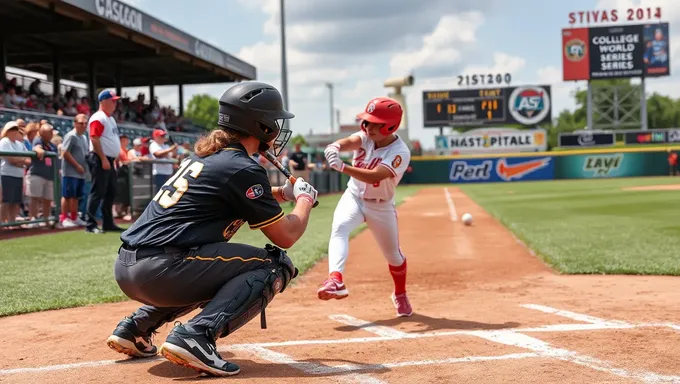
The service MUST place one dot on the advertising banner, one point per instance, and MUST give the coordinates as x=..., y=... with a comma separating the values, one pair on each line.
x=625, y=51
x=493, y=140
x=646, y=137
x=501, y=169
x=586, y=139
x=607, y=165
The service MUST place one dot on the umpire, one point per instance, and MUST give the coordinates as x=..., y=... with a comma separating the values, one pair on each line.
x=177, y=257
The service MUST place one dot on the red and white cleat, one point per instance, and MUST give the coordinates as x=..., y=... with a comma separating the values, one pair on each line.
x=332, y=289
x=402, y=305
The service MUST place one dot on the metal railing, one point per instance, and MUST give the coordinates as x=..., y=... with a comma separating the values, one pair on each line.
x=47, y=217
x=141, y=189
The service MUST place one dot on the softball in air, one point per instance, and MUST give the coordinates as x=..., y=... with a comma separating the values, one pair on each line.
x=467, y=219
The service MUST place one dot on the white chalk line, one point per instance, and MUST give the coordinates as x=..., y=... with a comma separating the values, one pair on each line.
x=369, y=327
x=544, y=349
x=594, y=324
x=573, y=315
x=452, y=208
x=310, y=367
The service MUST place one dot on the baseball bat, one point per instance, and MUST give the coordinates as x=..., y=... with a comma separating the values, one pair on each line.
x=281, y=168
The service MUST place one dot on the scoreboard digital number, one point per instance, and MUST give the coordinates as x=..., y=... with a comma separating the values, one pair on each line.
x=528, y=105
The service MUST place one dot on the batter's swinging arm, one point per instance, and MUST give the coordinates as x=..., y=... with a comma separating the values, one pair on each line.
x=281, y=168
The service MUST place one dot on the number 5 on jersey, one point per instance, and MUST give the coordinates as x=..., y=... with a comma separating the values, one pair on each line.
x=188, y=167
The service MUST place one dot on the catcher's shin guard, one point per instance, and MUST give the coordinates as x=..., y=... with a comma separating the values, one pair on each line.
x=256, y=291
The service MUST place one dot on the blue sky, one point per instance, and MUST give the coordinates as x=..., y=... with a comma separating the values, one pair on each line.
x=358, y=44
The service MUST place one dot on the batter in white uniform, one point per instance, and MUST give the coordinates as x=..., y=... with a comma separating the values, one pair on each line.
x=380, y=160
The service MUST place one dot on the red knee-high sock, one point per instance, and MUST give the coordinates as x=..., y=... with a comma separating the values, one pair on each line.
x=399, y=277
x=337, y=276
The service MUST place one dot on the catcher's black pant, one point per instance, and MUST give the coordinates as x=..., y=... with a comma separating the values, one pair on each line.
x=173, y=282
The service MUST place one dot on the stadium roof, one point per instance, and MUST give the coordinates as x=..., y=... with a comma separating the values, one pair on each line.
x=123, y=42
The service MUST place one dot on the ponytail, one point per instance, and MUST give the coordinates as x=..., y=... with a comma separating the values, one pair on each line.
x=215, y=141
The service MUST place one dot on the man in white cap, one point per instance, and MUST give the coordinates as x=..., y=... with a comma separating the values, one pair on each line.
x=12, y=170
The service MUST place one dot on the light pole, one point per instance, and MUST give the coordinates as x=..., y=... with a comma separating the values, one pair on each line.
x=330, y=94
x=284, y=70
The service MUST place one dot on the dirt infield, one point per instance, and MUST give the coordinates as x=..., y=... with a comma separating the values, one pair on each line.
x=671, y=187
x=486, y=311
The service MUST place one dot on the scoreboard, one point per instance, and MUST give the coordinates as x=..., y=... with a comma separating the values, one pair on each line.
x=529, y=105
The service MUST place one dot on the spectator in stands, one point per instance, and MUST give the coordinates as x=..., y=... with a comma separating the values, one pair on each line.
x=135, y=153
x=160, y=150
x=122, y=200
x=11, y=99
x=70, y=108
x=298, y=163
x=83, y=106
x=34, y=89
x=40, y=176
x=319, y=162
x=73, y=169
x=145, y=147
x=31, y=131
x=104, y=149
x=12, y=171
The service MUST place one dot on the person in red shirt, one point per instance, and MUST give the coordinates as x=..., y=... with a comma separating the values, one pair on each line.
x=672, y=163
x=122, y=200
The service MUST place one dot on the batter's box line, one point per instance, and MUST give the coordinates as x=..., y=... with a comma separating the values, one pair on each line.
x=538, y=347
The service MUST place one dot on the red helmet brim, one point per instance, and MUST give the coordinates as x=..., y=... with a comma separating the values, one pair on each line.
x=370, y=118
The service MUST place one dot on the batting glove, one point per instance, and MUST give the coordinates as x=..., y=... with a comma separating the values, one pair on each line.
x=331, y=149
x=304, y=190
x=287, y=191
x=336, y=163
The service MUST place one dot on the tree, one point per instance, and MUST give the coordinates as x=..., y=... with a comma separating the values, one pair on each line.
x=298, y=139
x=203, y=109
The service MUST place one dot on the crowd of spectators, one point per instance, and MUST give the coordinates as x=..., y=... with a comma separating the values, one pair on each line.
x=27, y=187
x=139, y=111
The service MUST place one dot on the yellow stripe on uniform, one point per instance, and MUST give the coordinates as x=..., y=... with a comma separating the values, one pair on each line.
x=221, y=258
x=268, y=222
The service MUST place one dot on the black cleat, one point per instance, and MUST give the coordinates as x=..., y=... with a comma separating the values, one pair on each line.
x=196, y=351
x=128, y=339
x=94, y=230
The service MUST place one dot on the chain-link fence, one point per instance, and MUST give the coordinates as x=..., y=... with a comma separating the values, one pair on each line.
x=12, y=206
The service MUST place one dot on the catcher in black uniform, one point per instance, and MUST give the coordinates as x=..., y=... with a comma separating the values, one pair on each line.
x=176, y=257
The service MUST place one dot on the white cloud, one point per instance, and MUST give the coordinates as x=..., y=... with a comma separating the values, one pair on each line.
x=441, y=48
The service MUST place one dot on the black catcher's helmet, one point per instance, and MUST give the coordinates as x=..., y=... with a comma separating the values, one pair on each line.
x=256, y=108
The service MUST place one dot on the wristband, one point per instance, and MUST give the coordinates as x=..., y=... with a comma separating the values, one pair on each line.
x=305, y=197
x=283, y=197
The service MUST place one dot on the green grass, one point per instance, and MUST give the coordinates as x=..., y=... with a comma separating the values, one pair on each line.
x=70, y=269
x=591, y=226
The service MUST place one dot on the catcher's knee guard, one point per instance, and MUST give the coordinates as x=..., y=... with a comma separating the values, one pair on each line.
x=257, y=291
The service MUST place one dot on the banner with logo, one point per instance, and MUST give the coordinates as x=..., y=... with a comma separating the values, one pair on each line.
x=624, y=51
x=493, y=140
x=586, y=139
x=646, y=137
x=607, y=165
x=501, y=169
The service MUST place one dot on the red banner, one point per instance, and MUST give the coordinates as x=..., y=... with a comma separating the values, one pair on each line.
x=575, y=54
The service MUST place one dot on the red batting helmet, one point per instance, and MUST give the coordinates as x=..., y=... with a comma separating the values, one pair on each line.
x=382, y=110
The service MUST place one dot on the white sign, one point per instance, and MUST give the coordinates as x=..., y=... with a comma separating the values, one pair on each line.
x=494, y=141
x=120, y=13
